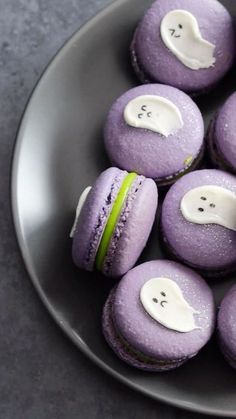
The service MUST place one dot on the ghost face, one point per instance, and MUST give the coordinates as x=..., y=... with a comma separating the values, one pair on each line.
x=181, y=35
x=154, y=113
x=177, y=30
x=210, y=204
x=163, y=300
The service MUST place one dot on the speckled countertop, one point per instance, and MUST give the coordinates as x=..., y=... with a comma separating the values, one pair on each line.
x=42, y=375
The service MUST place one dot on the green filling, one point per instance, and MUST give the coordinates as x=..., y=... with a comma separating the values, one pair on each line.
x=136, y=354
x=112, y=220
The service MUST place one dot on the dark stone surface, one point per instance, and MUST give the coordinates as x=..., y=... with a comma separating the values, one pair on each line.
x=42, y=375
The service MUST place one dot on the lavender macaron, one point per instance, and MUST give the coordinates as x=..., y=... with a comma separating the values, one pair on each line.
x=199, y=221
x=189, y=44
x=226, y=326
x=222, y=136
x=156, y=131
x=113, y=221
x=159, y=316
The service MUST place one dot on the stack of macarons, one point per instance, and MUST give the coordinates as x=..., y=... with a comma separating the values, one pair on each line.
x=154, y=138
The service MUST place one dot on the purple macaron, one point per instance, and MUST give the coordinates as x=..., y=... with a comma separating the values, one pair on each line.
x=159, y=316
x=113, y=222
x=222, y=136
x=189, y=44
x=199, y=221
x=226, y=325
x=156, y=131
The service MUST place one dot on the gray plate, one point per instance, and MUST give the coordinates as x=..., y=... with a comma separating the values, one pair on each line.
x=59, y=151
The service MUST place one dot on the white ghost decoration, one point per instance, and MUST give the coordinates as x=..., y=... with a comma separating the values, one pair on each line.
x=154, y=113
x=80, y=205
x=181, y=35
x=210, y=204
x=163, y=300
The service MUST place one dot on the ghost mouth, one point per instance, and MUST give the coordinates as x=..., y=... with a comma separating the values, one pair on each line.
x=163, y=302
x=173, y=33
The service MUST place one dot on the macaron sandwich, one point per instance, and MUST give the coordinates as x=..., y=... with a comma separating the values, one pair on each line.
x=159, y=316
x=156, y=131
x=198, y=221
x=189, y=44
x=114, y=219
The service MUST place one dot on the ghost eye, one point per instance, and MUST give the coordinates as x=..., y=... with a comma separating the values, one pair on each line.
x=149, y=114
x=180, y=26
x=140, y=115
x=144, y=107
x=200, y=209
x=203, y=198
x=163, y=293
x=212, y=205
x=155, y=300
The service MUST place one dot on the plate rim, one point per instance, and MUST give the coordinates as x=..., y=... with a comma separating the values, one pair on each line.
x=14, y=165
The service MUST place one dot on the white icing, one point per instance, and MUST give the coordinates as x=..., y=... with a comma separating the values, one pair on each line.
x=163, y=300
x=210, y=204
x=155, y=113
x=181, y=34
x=80, y=205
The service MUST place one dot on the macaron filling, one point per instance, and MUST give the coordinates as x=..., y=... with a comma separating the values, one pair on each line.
x=113, y=219
x=189, y=166
x=144, y=358
x=123, y=348
x=102, y=216
x=127, y=208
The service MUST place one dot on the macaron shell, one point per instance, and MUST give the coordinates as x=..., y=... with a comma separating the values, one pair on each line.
x=149, y=153
x=88, y=221
x=226, y=325
x=218, y=160
x=146, y=334
x=204, y=246
x=225, y=130
x=160, y=64
x=143, y=78
x=119, y=348
x=137, y=228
